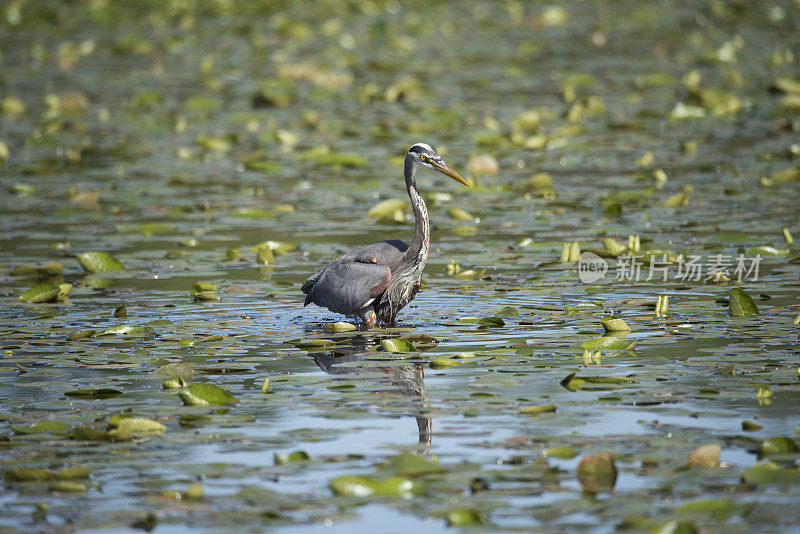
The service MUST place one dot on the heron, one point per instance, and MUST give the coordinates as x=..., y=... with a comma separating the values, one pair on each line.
x=376, y=281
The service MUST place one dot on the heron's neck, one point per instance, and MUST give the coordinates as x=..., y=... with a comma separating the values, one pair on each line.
x=418, y=250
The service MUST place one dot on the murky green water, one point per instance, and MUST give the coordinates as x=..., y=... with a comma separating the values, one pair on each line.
x=169, y=134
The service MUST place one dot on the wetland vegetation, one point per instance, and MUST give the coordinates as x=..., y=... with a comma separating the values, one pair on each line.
x=607, y=336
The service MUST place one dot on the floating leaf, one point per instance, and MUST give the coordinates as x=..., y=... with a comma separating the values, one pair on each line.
x=25, y=474
x=391, y=210
x=705, y=455
x=58, y=428
x=93, y=393
x=492, y=322
x=614, y=324
x=201, y=394
x=127, y=330
x=98, y=262
x=536, y=410
x=750, y=426
x=408, y=464
x=565, y=453
x=779, y=445
x=81, y=334
x=338, y=327
x=136, y=426
x=183, y=371
x=607, y=343
x=361, y=486
x=459, y=214
x=88, y=433
x=397, y=345
x=252, y=213
x=46, y=292
x=508, y=311
x=146, y=229
x=741, y=304
x=296, y=456
x=443, y=363
x=574, y=383
x=33, y=271
x=421, y=338
x=465, y=517
x=213, y=144
x=673, y=527
x=280, y=248
x=67, y=486
x=313, y=343
x=73, y=472
x=597, y=472
x=771, y=474
x=767, y=250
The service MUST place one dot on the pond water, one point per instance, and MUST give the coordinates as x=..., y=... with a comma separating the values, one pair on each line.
x=183, y=138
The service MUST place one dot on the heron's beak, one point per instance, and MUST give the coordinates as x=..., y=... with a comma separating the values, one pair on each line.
x=442, y=167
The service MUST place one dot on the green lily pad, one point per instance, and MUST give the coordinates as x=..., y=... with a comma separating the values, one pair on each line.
x=779, y=445
x=673, y=527
x=536, y=410
x=565, y=453
x=94, y=393
x=362, y=486
x=67, y=486
x=58, y=428
x=767, y=250
x=314, y=343
x=397, y=345
x=771, y=474
x=136, y=426
x=750, y=426
x=81, y=334
x=741, y=304
x=391, y=210
x=597, y=472
x=459, y=214
x=443, y=363
x=99, y=262
x=26, y=474
x=183, y=371
x=614, y=324
x=88, y=433
x=607, y=343
x=465, y=517
x=146, y=229
x=46, y=292
x=507, y=311
x=127, y=330
x=492, y=322
x=408, y=464
x=341, y=326
x=718, y=507
x=574, y=383
x=296, y=456
x=202, y=394
x=74, y=471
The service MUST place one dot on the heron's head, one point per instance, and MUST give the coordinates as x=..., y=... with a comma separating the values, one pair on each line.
x=426, y=156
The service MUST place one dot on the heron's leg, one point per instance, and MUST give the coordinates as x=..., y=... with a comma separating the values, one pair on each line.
x=367, y=314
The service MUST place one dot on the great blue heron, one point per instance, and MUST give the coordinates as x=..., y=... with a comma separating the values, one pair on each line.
x=374, y=282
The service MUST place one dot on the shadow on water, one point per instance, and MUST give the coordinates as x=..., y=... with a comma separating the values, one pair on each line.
x=404, y=380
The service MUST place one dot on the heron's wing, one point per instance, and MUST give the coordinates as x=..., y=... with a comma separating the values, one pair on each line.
x=348, y=284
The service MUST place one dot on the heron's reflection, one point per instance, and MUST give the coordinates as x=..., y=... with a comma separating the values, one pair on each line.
x=406, y=380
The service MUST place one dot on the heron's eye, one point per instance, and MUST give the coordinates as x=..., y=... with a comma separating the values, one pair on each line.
x=423, y=158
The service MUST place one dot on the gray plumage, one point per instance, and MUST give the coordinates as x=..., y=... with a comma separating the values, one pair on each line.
x=374, y=282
